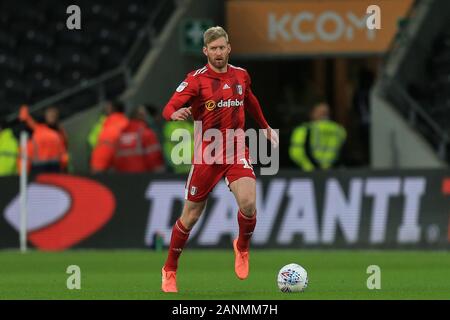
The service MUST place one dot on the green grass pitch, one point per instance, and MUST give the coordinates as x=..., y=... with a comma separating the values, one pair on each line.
x=209, y=274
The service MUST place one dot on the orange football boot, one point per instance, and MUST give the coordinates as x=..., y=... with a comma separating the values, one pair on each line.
x=240, y=262
x=169, y=281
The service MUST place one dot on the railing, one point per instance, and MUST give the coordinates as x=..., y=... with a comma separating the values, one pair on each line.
x=144, y=41
x=416, y=114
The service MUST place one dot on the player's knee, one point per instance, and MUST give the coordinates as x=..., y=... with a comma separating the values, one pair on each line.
x=191, y=214
x=248, y=206
x=194, y=215
x=189, y=219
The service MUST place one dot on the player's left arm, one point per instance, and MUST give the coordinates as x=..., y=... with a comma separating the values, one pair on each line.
x=254, y=108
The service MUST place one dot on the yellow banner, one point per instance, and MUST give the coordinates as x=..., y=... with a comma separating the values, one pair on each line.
x=311, y=27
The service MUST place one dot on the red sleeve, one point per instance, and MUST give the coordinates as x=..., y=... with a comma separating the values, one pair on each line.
x=253, y=107
x=187, y=90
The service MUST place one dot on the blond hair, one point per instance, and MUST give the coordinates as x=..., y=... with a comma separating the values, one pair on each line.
x=213, y=34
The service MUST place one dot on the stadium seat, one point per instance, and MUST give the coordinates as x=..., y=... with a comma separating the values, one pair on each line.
x=137, y=11
x=39, y=56
x=16, y=89
x=76, y=38
x=46, y=87
x=7, y=41
x=130, y=28
x=43, y=62
x=100, y=12
x=9, y=63
x=23, y=12
x=108, y=56
x=76, y=60
x=38, y=39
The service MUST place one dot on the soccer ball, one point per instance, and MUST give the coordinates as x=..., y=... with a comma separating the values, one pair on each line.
x=292, y=278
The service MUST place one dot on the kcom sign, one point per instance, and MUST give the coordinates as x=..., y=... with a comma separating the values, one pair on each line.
x=312, y=27
x=329, y=26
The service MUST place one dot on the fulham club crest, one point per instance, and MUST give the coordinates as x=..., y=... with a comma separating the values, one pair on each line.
x=193, y=191
x=239, y=88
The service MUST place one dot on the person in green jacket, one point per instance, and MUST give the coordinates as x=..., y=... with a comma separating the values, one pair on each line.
x=95, y=131
x=318, y=144
x=9, y=151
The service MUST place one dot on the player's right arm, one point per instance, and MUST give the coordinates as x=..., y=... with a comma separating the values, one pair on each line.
x=184, y=94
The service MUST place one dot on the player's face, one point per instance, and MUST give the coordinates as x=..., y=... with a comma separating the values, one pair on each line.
x=218, y=52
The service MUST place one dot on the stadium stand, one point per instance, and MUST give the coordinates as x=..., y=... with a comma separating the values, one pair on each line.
x=40, y=57
x=434, y=90
x=419, y=85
